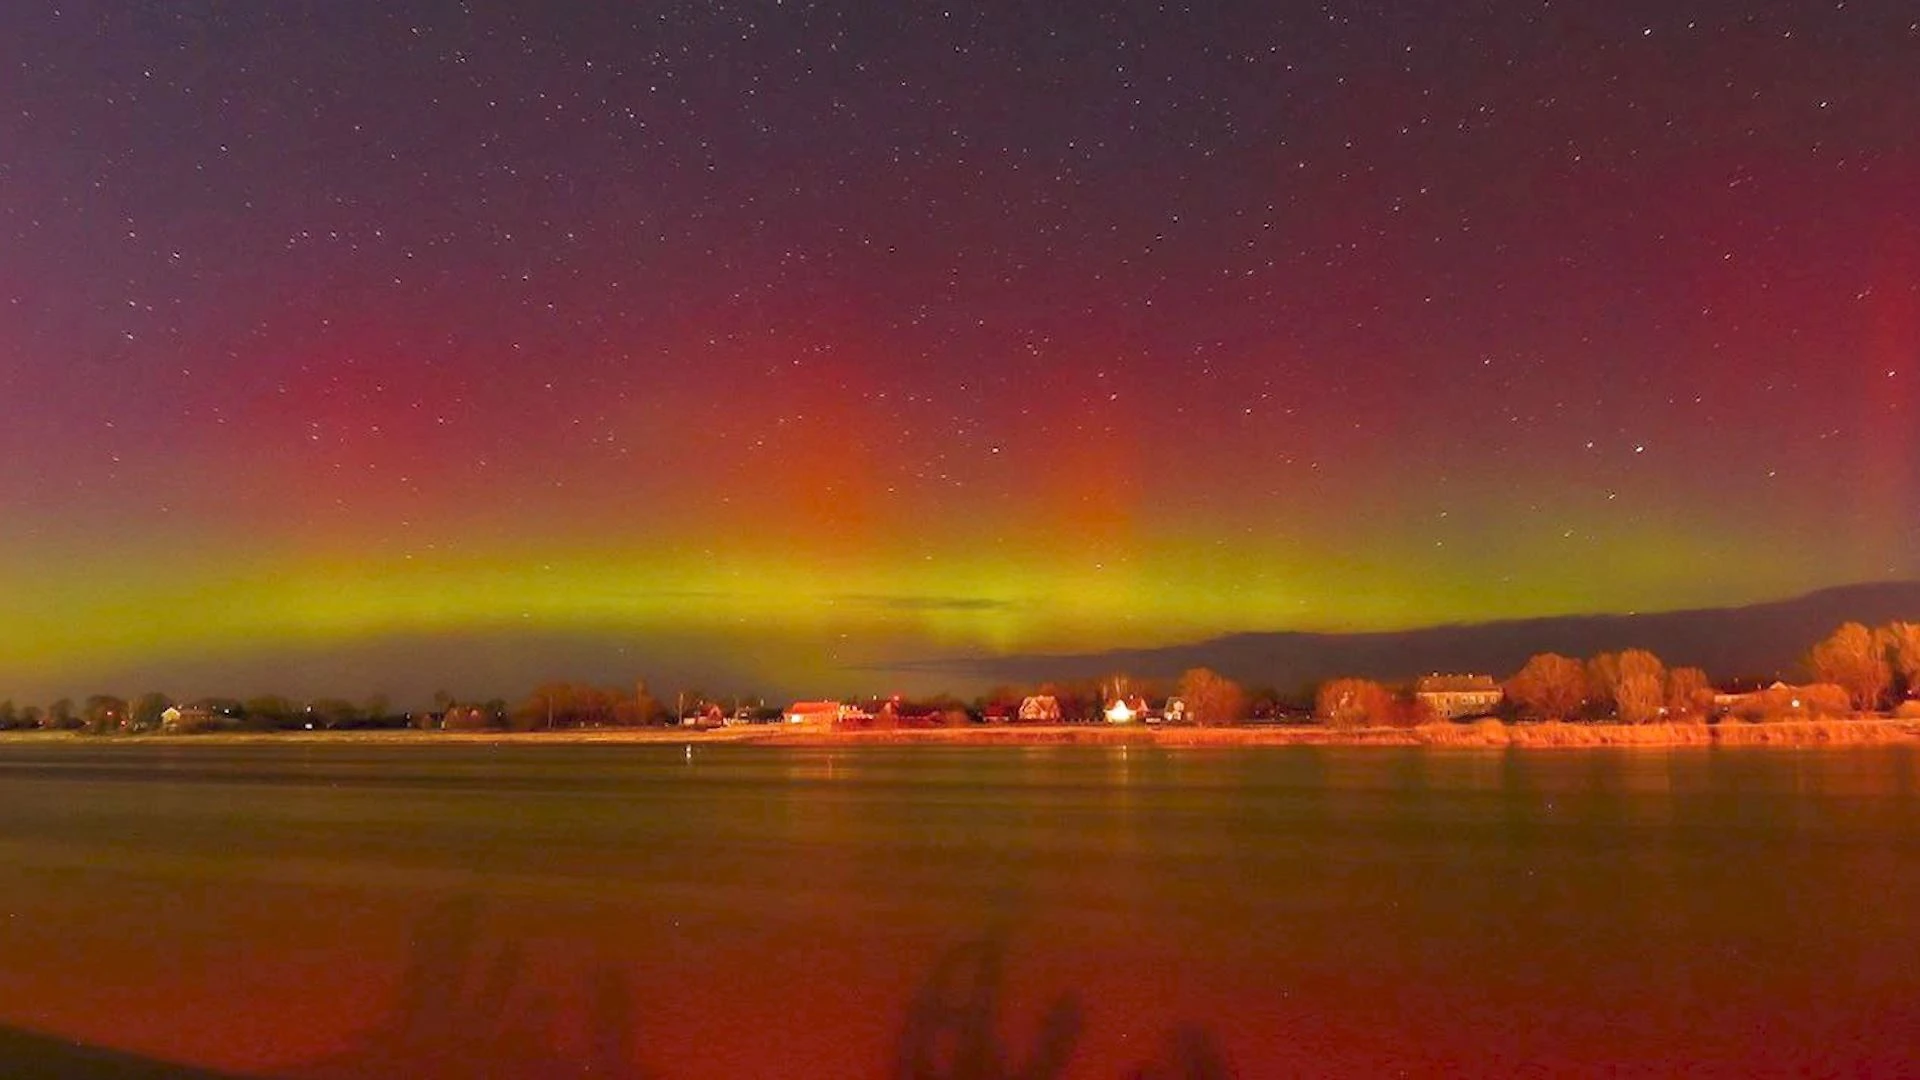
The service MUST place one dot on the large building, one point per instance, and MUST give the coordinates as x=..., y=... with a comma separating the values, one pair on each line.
x=1457, y=697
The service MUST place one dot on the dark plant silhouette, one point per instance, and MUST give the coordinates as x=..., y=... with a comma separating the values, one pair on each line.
x=952, y=1027
x=461, y=1015
x=1191, y=1055
x=466, y=1012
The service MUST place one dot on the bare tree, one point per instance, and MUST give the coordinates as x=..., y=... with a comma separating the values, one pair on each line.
x=1689, y=693
x=1901, y=646
x=643, y=708
x=1550, y=686
x=147, y=710
x=1642, y=690
x=104, y=713
x=1212, y=698
x=1603, y=681
x=1352, y=703
x=549, y=706
x=268, y=711
x=1853, y=659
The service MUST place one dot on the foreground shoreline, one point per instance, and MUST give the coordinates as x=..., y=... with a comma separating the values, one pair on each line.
x=1860, y=731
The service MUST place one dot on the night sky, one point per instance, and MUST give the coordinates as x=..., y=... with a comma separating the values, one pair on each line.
x=442, y=345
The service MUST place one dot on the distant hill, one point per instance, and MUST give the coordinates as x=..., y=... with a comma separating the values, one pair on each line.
x=1759, y=639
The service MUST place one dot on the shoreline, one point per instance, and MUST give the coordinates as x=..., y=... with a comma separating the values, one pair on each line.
x=1546, y=735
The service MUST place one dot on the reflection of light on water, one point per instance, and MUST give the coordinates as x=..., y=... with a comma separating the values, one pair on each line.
x=1124, y=796
x=817, y=767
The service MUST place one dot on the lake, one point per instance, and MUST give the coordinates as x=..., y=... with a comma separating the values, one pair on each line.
x=353, y=909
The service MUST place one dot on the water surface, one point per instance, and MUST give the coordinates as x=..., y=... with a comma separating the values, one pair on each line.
x=357, y=910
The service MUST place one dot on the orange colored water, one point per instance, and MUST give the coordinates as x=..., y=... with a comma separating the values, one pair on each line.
x=323, y=910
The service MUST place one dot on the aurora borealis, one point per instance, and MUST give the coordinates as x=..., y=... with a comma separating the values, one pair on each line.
x=765, y=342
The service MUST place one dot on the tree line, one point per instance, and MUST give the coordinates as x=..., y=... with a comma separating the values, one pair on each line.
x=107, y=713
x=1855, y=669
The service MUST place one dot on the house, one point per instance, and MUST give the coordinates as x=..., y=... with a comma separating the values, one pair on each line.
x=709, y=715
x=1728, y=700
x=1040, y=709
x=195, y=717
x=1458, y=697
x=824, y=713
x=897, y=713
x=1176, y=711
x=1126, y=710
x=815, y=713
x=1775, y=697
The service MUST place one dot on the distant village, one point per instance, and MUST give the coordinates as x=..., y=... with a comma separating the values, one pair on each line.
x=1857, y=671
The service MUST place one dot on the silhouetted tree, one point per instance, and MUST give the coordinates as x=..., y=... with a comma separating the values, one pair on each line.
x=1852, y=659
x=639, y=710
x=269, y=711
x=1901, y=646
x=146, y=710
x=1212, y=698
x=60, y=716
x=1549, y=687
x=611, y=708
x=572, y=705
x=547, y=707
x=1079, y=699
x=1002, y=702
x=104, y=713
x=1263, y=703
x=331, y=713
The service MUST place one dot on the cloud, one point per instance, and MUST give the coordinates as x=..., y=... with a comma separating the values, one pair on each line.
x=926, y=603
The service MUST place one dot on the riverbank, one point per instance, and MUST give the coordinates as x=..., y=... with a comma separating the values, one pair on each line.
x=1859, y=731
x=1487, y=733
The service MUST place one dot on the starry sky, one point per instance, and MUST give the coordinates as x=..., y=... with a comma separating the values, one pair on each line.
x=466, y=344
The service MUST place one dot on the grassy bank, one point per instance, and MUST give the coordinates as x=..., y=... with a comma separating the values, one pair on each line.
x=1484, y=733
x=1861, y=731
x=1550, y=735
